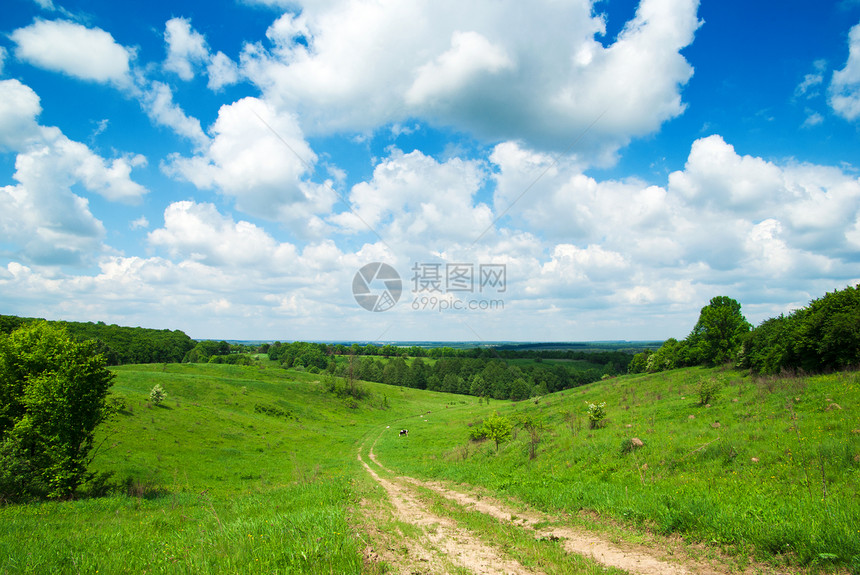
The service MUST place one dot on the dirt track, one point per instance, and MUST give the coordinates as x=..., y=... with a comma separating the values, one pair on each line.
x=444, y=547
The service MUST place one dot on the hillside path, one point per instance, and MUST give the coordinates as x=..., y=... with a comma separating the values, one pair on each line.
x=445, y=547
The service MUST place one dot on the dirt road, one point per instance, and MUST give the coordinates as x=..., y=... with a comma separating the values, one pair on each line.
x=424, y=542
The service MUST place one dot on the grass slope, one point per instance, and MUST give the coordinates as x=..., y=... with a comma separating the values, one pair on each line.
x=771, y=468
x=240, y=470
x=253, y=469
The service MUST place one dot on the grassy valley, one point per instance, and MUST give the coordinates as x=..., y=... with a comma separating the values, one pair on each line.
x=250, y=469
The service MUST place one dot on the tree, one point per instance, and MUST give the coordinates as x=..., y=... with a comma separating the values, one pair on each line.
x=52, y=396
x=157, y=394
x=717, y=336
x=497, y=428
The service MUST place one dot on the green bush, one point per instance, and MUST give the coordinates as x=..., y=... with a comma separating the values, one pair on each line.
x=708, y=389
x=157, y=394
x=596, y=414
x=53, y=394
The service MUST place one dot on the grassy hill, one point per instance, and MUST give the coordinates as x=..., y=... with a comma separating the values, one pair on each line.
x=254, y=469
x=770, y=467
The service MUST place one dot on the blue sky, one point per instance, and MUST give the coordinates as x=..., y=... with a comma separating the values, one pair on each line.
x=226, y=169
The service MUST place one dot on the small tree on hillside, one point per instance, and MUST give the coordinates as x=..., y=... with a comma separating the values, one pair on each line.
x=157, y=394
x=498, y=428
x=533, y=426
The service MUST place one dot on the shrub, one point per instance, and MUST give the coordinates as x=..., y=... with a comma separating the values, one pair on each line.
x=708, y=389
x=596, y=414
x=157, y=394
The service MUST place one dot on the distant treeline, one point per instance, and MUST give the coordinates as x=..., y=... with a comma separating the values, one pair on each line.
x=477, y=371
x=120, y=345
x=823, y=336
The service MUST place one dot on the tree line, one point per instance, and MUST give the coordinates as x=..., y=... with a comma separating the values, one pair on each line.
x=823, y=336
x=119, y=345
x=467, y=371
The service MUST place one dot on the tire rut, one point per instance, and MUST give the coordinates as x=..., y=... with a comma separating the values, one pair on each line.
x=637, y=560
x=442, y=536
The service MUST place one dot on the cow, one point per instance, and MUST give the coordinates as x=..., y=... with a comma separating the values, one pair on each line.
x=404, y=432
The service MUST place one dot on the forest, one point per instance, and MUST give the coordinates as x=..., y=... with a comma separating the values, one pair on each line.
x=120, y=345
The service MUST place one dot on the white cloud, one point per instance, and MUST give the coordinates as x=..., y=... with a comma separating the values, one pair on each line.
x=2, y=58
x=812, y=119
x=540, y=76
x=260, y=158
x=186, y=48
x=222, y=71
x=67, y=47
x=845, y=84
x=718, y=177
x=808, y=88
x=49, y=224
x=19, y=107
x=470, y=59
x=414, y=200
x=139, y=223
x=158, y=103
x=42, y=217
x=198, y=232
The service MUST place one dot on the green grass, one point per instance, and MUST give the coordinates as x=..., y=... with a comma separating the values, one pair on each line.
x=254, y=469
x=691, y=477
x=211, y=482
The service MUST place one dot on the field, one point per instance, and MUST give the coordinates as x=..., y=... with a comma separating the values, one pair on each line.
x=255, y=470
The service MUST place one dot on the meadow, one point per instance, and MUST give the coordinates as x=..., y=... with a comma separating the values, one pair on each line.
x=769, y=470
x=250, y=469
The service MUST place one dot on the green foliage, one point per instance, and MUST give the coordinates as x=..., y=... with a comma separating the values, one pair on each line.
x=823, y=336
x=498, y=428
x=534, y=426
x=52, y=396
x=596, y=414
x=717, y=336
x=204, y=350
x=119, y=345
x=157, y=394
x=708, y=389
x=639, y=363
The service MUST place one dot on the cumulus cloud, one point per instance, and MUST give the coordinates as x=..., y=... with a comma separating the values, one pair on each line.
x=2, y=58
x=541, y=76
x=186, y=48
x=413, y=199
x=42, y=217
x=84, y=53
x=222, y=71
x=157, y=101
x=715, y=175
x=725, y=219
x=19, y=108
x=200, y=233
x=845, y=84
x=259, y=157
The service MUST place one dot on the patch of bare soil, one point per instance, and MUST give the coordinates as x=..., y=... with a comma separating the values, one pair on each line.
x=441, y=543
